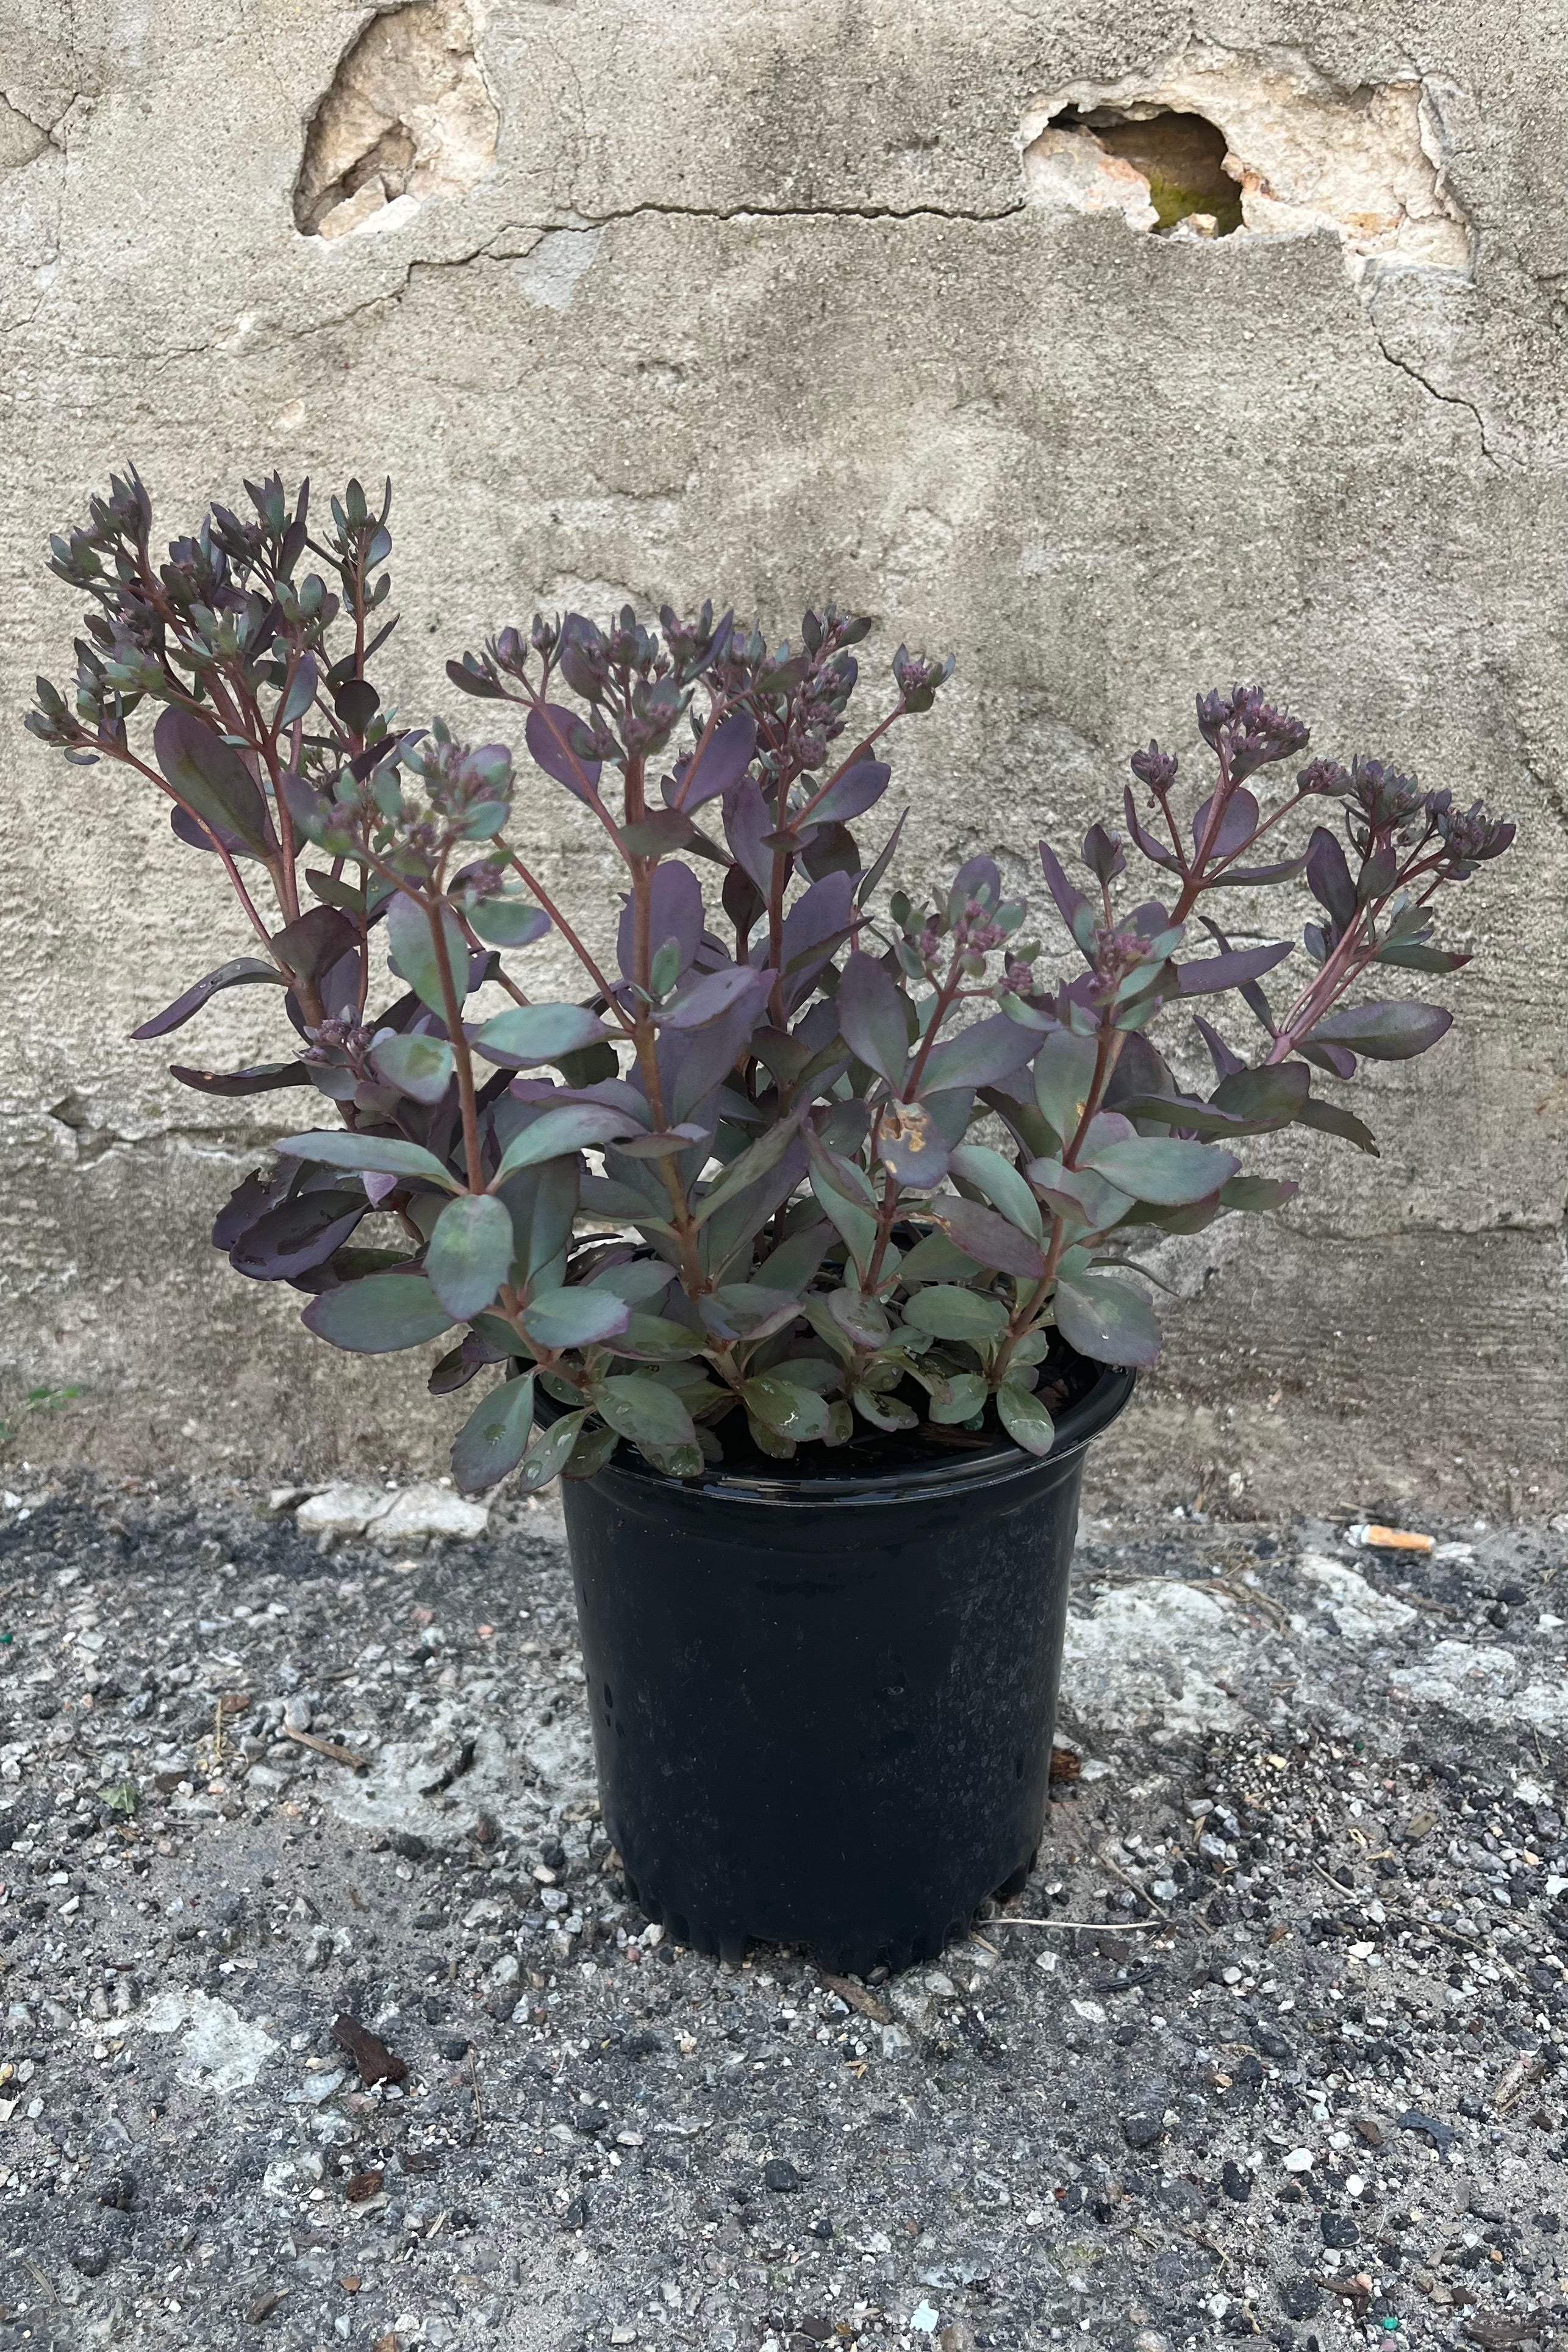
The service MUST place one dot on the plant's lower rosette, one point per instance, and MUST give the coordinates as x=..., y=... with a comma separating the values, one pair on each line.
x=822, y=1705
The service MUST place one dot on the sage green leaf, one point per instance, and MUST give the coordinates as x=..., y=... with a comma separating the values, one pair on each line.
x=1024, y=1418
x=1000, y=1183
x=1063, y=1075
x=883, y=1412
x=1165, y=1172
x=550, y=1450
x=798, y=1413
x=508, y=922
x=1107, y=1321
x=411, y=946
x=594, y=1449
x=469, y=1254
x=756, y=1160
x=1257, y=1192
x=529, y=1034
x=378, y=1315
x=965, y=1397
x=418, y=1066
x=495, y=1437
x=575, y=1126
x=934, y=1259
x=950, y=1313
x=575, y=1318
x=380, y=1155
x=641, y=1409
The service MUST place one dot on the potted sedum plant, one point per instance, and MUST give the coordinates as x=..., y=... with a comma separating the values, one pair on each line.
x=801, y=1240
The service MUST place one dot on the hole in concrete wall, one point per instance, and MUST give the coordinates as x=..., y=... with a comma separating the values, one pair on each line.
x=407, y=117
x=1261, y=145
x=1180, y=158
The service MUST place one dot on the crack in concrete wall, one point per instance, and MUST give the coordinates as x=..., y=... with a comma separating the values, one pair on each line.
x=1367, y=165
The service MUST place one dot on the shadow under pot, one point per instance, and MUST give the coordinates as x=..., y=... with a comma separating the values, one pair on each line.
x=824, y=1695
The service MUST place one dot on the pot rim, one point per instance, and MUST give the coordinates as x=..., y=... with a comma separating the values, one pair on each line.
x=1000, y=1466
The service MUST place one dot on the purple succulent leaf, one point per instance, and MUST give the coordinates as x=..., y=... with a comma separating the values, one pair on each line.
x=1335, y=1059
x=1327, y=878
x=1388, y=1031
x=318, y=940
x=1250, y=877
x=1264, y=1099
x=1154, y=851
x=1237, y=824
x=911, y=1146
x=208, y=836
x=674, y=911
x=884, y=857
x=978, y=1056
x=1078, y=1192
x=747, y=822
x=262, y=1078
x=814, y=929
x=857, y=790
x=1103, y=853
x=977, y=876
x=553, y=733
x=210, y=776
x=871, y=1018
x=719, y=765
x=297, y=1235
x=1211, y=975
x=1106, y=1319
x=1162, y=1170
x=990, y=1239
x=1225, y=1063
x=1333, y=1118
x=240, y=971
x=1070, y=903
x=715, y=995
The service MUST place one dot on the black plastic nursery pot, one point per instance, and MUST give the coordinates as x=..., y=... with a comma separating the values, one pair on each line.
x=824, y=1704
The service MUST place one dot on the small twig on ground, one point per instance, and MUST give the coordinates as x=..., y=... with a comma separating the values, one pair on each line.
x=1094, y=1927
x=1112, y=1864
x=329, y=1748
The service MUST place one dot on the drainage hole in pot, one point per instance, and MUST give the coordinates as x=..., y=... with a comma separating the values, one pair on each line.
x=609, y=1701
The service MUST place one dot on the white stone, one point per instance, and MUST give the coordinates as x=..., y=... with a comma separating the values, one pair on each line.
x=428, y=1514
x=1360, y=1611
x=1156, y=1652
x=341, y=1511
x=219, y=2049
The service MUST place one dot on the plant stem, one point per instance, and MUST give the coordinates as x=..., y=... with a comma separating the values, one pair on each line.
x=452, y=1011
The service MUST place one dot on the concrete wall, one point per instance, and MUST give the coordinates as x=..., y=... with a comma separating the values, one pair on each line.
x=766, y=302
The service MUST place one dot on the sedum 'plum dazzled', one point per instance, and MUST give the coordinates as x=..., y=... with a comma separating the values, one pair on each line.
x=732, y=1184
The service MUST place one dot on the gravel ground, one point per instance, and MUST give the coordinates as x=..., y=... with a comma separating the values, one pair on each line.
x=327, y=2021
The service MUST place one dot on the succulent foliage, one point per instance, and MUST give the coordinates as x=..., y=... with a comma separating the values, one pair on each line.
x=807, y=1157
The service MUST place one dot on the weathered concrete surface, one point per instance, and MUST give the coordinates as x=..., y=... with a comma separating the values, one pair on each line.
x=757, y=302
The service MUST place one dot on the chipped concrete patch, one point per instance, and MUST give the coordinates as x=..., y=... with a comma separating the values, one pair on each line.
x=1361, y=1612
x=1486, y=1683
x=219, y=2049
x=550, y=275
x=1366, y=164
x=1156, y=1657
x=408, y=117
x=463, y=1770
